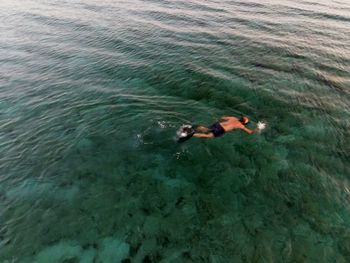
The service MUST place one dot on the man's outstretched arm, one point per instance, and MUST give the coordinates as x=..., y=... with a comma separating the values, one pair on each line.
x=248, y=130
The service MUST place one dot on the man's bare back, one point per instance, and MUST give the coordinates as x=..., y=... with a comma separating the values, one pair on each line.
x=231, y=123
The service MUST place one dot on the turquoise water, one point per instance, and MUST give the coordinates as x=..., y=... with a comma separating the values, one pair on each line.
x=92, y=93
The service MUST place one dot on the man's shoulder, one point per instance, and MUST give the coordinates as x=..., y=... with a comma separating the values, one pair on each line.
x=231, y=118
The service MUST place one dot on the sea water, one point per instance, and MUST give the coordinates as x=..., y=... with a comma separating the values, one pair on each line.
x=93, y=92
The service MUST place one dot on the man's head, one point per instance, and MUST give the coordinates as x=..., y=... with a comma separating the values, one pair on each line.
x=244, y=120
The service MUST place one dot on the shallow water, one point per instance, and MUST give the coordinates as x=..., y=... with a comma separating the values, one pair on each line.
x=92, y=93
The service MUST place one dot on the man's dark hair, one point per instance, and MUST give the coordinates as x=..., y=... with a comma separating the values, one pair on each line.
x=243, y=120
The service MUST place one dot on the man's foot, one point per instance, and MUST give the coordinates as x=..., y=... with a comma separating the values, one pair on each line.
x=185, y=133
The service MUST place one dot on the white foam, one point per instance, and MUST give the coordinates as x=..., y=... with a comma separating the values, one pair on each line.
x=181, y=133
x=260, y=126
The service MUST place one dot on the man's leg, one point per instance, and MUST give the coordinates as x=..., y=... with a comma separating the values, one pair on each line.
x=201, y=129
x=204, y=135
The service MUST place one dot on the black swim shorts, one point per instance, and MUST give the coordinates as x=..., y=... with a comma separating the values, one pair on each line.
x=216, y=129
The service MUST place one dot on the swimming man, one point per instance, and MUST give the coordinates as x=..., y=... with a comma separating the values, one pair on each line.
x=226, y=124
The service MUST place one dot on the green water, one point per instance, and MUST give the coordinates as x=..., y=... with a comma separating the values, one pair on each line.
x=92, y=93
